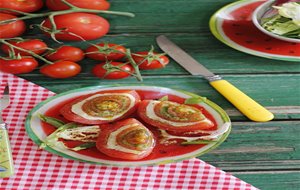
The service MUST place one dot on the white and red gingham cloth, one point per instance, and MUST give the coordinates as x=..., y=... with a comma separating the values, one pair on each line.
x=37, y=169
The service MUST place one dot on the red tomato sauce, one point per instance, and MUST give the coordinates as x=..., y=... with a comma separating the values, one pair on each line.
x=238, y=26
x=159, y=151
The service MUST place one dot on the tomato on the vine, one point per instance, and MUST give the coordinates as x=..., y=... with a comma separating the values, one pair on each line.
x=147, y=60
x=27, y=6
x=78, y=26
x=18, y=66
x=61, y=69
x=112, y=70
x=106, y=51
x=58, y=5
x=13, y=29
x=67, y=53
x=34, y=45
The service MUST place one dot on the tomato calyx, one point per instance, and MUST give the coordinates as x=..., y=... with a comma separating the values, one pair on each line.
x=110, y=67
x=36, y=46
x=150, y=57
x=113, y=68
x=105, y=49
x=58, y=69
x=12, y=54
x=135, y=66
x=53, y=30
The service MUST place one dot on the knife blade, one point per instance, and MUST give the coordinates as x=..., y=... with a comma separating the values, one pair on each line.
x=246, y=105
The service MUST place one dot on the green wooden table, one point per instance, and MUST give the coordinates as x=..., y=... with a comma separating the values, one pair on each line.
x=266, y=155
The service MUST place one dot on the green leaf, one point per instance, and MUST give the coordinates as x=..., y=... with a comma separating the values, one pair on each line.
x=52, y=139
x=52, y=121
x=198, y=142
x=84, y=146
x=195, y=100
x=164, y=98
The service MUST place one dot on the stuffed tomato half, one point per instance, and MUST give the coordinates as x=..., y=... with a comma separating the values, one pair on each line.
x=127, y=139
x=103, y=107
x=173, y=116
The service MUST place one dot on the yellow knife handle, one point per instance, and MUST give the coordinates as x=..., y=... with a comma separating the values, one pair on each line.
x=242, y=102
x=6, y=161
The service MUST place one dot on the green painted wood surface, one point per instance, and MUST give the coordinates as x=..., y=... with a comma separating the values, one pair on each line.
x=282, y=96
x=253, y=146
x=272, y=180
x=265, y=155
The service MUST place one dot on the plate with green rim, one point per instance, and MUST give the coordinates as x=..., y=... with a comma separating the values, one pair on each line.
x=38, y=132
x=233, y=25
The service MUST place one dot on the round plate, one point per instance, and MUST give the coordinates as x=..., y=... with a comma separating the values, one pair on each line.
x=36, y=131
x=257, y=17
x=233, y=26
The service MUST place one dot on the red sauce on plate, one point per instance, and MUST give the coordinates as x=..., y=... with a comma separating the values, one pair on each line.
x=160, y=150
x=238, y=26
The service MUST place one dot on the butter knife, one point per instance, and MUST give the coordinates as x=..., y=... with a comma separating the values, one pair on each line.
x=241, y=101
x=6, y=160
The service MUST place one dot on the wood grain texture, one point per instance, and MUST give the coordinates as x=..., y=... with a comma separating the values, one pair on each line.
x=282, y=89
x=266, y=155
x=259, y=146
x=272, y=180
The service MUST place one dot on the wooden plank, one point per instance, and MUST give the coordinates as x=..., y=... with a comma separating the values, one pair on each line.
x=256, y=147
x=164, y=16
x=203, y=47
x=272, y=180
x=280, y=93
x=187, y=25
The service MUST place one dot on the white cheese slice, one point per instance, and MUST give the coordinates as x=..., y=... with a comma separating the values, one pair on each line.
x=84, y=134
x=210, y=135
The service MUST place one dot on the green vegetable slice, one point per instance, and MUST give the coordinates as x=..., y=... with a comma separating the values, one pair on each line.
x=52, y=121
x=84, y=146
x=195, y=100
x=52, y=139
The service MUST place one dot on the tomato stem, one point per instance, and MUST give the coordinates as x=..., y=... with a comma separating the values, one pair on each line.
x=134, y=65
x=68, y=4
x=72, y=9
x=51, y=14
x=4, y=41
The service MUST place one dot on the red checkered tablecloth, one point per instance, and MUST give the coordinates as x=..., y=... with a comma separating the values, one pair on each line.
x=37, y=169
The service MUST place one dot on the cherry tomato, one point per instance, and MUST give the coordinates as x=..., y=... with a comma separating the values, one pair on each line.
x=27, y=6
x=61, y=69
x=58, y=5
x=18, y=66
x=84, y=25
x=127, y=139
x=108, y=72
x=106, y=51
x=67, y=53
x=34, y=45
x=150, y=60
x=173, y=116
x=12, y=29
x=115, y=105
